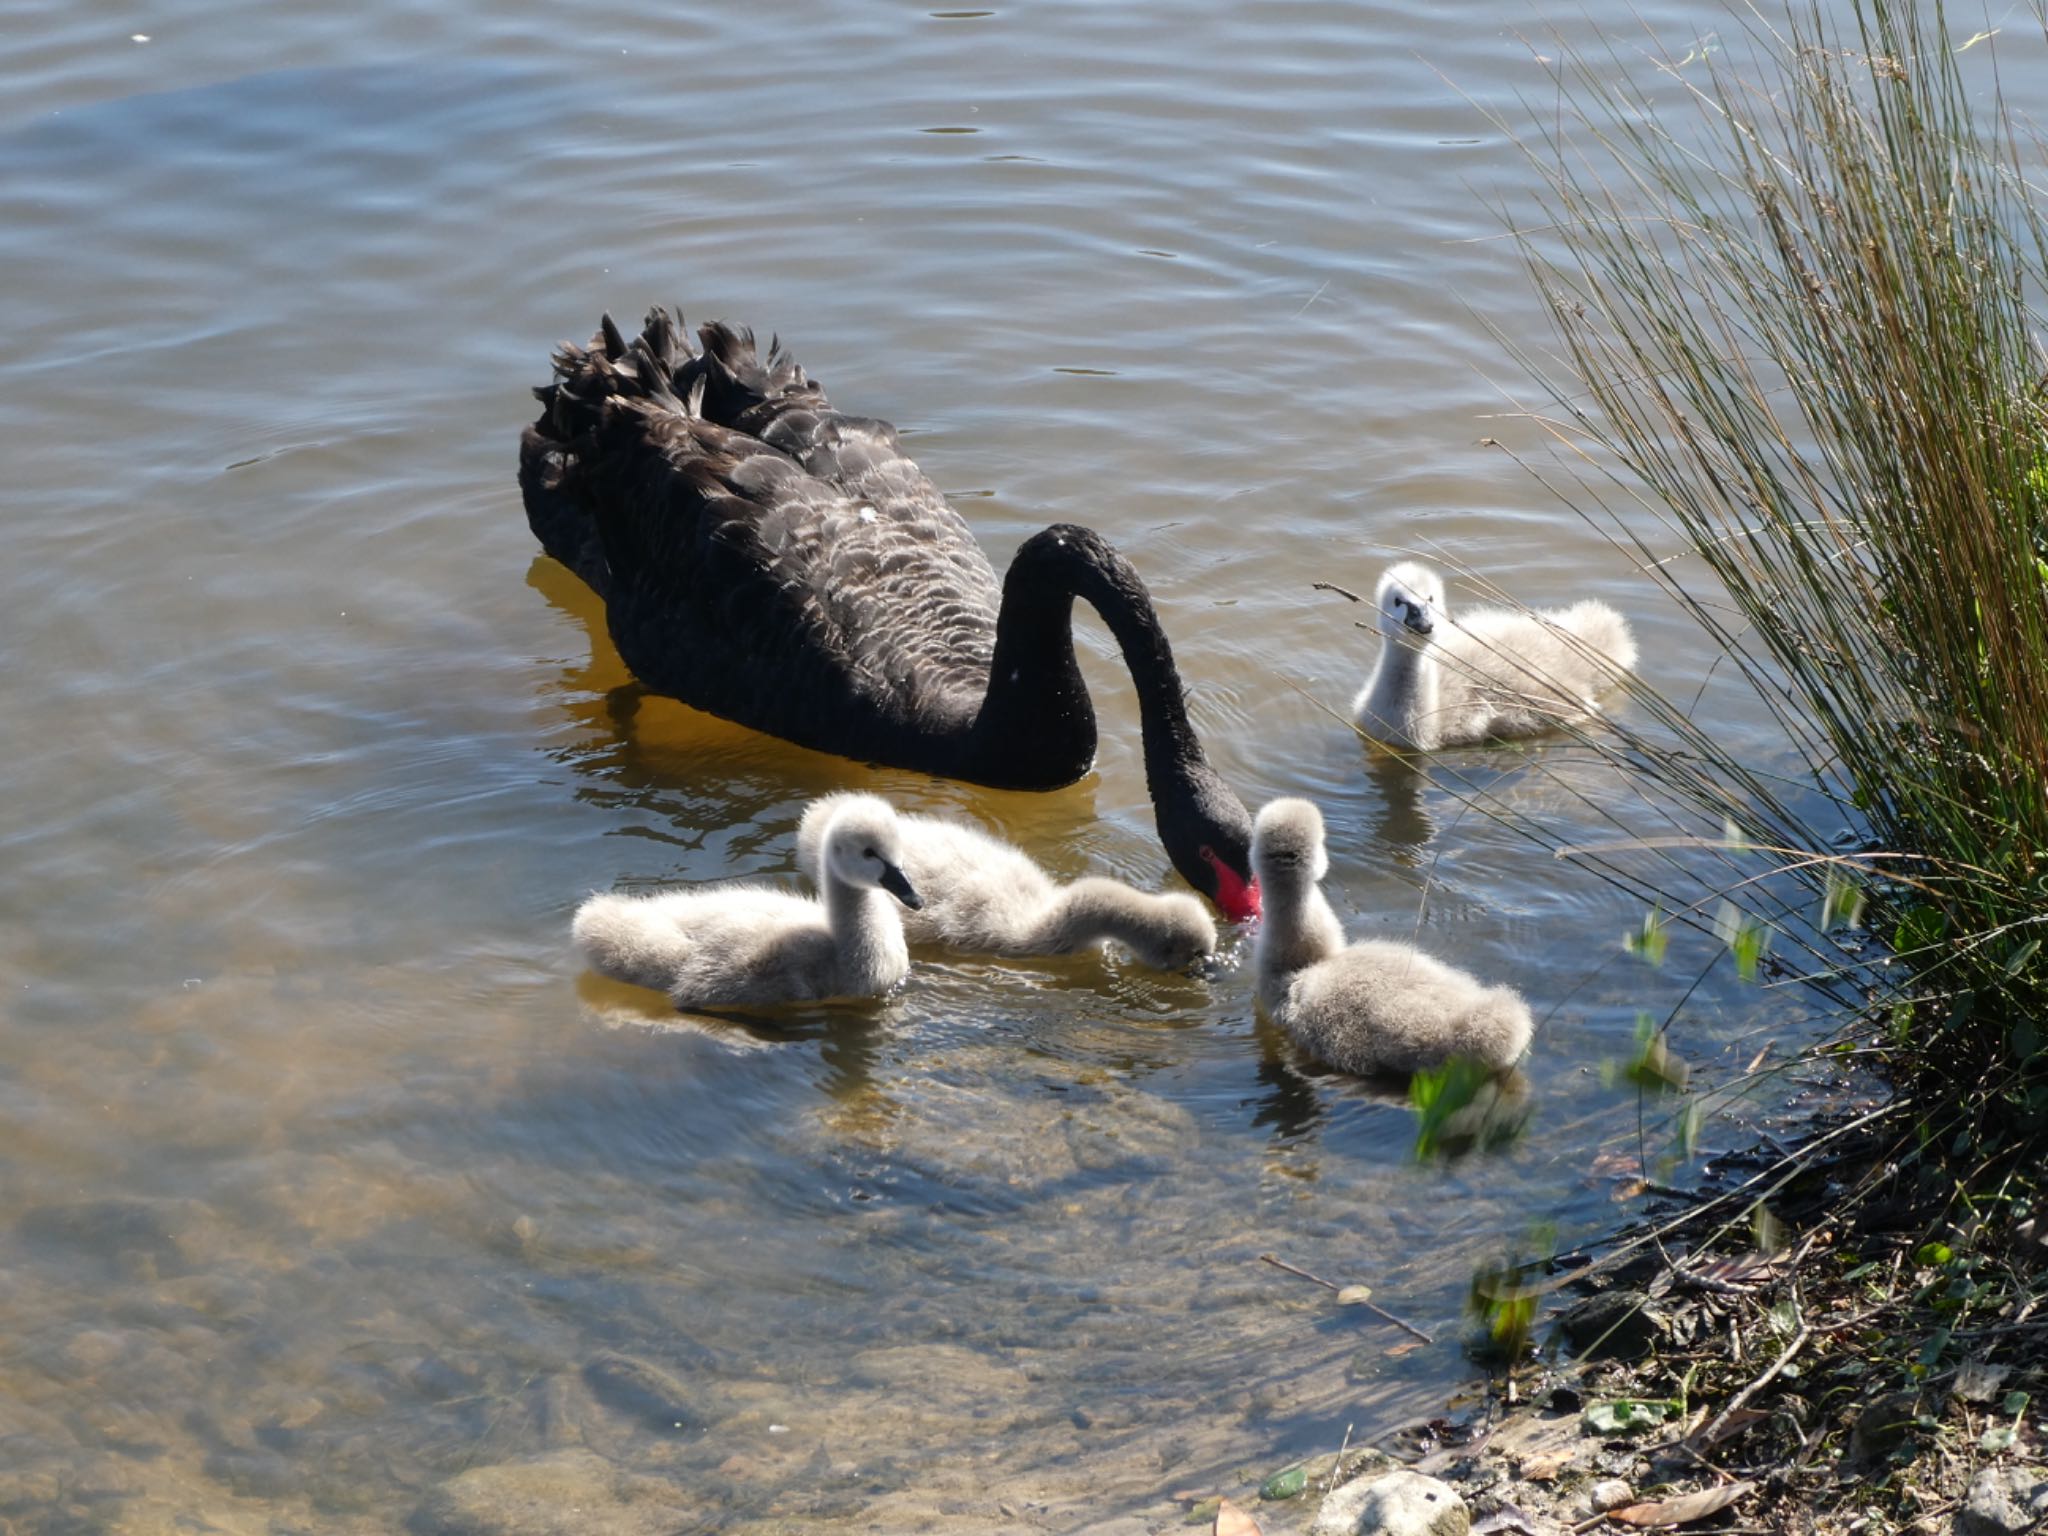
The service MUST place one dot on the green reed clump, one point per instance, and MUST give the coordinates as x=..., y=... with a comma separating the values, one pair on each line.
x=1797, y=310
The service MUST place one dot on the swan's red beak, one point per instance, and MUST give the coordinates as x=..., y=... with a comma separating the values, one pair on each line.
x=1237, y=899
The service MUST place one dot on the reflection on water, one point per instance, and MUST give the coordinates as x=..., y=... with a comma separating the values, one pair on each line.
x=334, y=1200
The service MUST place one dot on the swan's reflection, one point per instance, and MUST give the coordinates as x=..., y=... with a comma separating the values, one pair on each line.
x=1405, y=827
x=848, y=1034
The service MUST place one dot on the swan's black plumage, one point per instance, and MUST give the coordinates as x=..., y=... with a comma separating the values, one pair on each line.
x=782, y=564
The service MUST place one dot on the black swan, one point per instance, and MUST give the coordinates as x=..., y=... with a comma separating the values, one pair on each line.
x=770, y=560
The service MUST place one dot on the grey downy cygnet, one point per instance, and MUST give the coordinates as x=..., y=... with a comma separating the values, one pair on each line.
x=987, y=897
x=748, y=945
x=1375, y=1007
x=1491, y=674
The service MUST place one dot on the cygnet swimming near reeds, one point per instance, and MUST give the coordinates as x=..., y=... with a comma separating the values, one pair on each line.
x=747, y=945
x=1491, y=674
x=1376, y=1007
x=987, y=897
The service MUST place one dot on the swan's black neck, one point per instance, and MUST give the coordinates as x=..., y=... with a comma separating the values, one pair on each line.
x=1037, y=709
x=1036, y=728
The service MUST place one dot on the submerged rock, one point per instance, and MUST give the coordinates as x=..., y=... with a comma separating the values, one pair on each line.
x=1393, y=1504
x=570, y=1493
x=643, y=1391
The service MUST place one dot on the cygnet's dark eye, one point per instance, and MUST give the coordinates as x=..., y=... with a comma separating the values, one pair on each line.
x=869, y=853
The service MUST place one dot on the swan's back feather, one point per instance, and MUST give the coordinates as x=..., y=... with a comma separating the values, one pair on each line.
x=988, y=897
x=962, y=874
x=1382, y=1007
x=735, y=946
x=1532, y=670
x=757, y=591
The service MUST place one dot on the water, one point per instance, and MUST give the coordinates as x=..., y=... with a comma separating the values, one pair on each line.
x=330, y=1190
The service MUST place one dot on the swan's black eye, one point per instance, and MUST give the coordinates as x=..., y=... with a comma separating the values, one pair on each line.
x=869, y=853
x=1208, y=854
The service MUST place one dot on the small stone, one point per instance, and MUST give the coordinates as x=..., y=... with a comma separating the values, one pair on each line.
x=1609, y=1493
x=1393, y=1504
x=2004, y=1501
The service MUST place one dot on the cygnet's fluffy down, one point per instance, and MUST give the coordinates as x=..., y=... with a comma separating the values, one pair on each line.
x=1377, y=1007
x=748, y=946
x=1491, y=674
x=984, y=896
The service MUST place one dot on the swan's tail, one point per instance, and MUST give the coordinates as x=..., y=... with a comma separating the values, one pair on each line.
x=746, y=391
x=1498, y=1028
x=628, y=939
x=1600, y=629
x=657, y=367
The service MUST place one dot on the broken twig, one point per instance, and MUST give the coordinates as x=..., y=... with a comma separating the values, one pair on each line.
x=1372, y=1307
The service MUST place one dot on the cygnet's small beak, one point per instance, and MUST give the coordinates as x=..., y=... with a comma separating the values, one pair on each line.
x=1421, y=621
x=894, y=882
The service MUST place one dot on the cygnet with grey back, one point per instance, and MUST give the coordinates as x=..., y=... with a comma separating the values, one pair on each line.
x=1377, y=1007
x=987, y=897
x=749, y=946
x=1491, y=674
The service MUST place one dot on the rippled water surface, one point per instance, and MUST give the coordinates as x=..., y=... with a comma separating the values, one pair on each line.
x=334, y=1199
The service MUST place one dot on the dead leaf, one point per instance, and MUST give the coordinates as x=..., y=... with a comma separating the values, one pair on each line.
x=1507, y=1519
x=1544, y=1466
x=1232, y=1521
x=1405, y=1347
x=1734, y=1424
x=1354, y=1295
x=1978, y=1382
x=1684, y=1509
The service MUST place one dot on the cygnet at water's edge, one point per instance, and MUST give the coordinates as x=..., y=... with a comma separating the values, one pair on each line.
x=745, y=945
x=1492, y=674
x=1374, y=1007
x=985, y=896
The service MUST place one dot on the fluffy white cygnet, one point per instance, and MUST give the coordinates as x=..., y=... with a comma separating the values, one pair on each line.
x=1491, y=674
x=1377, y=1006
x=985, y=896
x=745, y=945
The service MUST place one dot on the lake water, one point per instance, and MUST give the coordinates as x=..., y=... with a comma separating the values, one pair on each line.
x=333, y=1198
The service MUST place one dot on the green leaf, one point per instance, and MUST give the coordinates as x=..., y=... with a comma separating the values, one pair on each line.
x=2021, y=956
x=1629, y=1415
x=1998, y=1437
x=1287, y=1484
x=1921, y=928
x=2015, y=1403
x=1746, y=937
x=1933, y=1254
x=1841, y=902
x=1931, y=1351
x=1651, y=940
x=1654, y=1068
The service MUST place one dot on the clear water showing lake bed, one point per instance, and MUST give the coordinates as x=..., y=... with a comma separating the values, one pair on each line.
x=332, y=1198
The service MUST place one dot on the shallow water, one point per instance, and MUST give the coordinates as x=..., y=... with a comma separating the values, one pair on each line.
x=332, y=1195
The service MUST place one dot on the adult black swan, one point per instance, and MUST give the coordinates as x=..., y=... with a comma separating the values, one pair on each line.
x=768, y=559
